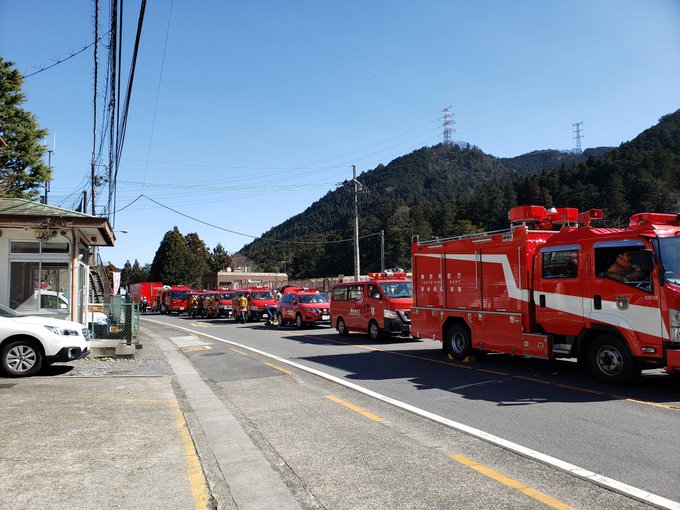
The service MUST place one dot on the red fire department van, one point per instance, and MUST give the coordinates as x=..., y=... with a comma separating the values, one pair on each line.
x=535, y=291
x=226, y=297
x=379, y=306
x=303, y=307
x=259, y=298
x=173, y=298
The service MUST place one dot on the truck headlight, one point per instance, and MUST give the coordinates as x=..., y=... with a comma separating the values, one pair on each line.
x=390, y=314
x=675, y=325
x=62, y=331
x=675, y=318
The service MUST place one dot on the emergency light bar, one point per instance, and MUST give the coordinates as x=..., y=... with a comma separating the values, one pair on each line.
x=380, y=276
x=655, y=219
x=544, y=218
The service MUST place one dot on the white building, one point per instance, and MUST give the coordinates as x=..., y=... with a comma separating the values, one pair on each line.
x=45, y=256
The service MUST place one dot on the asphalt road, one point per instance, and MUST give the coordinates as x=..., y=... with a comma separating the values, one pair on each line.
x=625, y=435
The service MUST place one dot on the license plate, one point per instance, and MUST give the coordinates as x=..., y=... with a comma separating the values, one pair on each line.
x=325, y=317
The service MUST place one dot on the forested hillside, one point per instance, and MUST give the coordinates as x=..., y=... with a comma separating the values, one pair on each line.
x=444, y=191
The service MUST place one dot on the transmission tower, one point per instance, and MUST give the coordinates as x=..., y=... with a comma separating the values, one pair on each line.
x=448, y=125
x=578, y=128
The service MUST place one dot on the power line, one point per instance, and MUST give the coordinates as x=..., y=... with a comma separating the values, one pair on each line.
x=70, y=56
x=270, y=240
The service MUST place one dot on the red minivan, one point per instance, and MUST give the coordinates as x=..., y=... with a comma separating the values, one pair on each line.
x=379, y=306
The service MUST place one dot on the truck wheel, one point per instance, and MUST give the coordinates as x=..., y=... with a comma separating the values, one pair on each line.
x=21, y=358
x=458, y=342
x=340, y=326
x=298, y=321
x=374, y=331
x=610, y=361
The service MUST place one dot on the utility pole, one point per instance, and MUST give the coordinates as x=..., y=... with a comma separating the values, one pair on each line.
x=47, y=181
x=382, y=251
x=357, y=270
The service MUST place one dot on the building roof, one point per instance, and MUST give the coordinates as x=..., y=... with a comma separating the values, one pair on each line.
x=22, y=213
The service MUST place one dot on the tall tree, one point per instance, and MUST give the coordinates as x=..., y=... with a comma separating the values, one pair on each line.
x=219, y=258
x=22, y=169
x=173, y=261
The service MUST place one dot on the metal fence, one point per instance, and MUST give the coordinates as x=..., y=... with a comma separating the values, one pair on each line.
x=118, y=320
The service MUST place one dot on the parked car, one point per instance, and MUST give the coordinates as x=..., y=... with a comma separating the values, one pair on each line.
x=303, y=308
x=29, y=343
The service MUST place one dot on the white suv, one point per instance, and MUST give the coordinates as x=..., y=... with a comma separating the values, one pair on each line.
x=27, y=343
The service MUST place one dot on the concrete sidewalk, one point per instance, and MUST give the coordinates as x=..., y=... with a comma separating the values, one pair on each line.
x=101, y=433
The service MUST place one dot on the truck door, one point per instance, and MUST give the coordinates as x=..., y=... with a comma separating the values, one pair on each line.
x=373, y=306
x=561, y=278
x=630, y=304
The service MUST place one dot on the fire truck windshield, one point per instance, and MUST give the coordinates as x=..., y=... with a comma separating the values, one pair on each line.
x=178, y=294
x=397, y=289
x=261, y=295
x=669, y=251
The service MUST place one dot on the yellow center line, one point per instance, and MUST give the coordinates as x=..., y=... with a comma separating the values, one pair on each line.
x=356, y=409
x=280, y=369
x=511, y=482
x=240, y=352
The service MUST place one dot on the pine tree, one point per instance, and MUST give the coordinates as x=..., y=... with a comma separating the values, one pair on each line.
x=22, y=170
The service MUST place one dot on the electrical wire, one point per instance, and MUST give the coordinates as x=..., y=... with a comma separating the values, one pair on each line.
x=270, y=240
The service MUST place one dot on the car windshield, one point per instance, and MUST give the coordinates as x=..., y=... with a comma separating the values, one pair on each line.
x=314, y=298
x=262, y=295
x=669, y=252
x=397, y=289
x=8, y=312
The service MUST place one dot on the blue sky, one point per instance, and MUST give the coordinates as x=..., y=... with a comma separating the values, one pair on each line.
x=253, y=110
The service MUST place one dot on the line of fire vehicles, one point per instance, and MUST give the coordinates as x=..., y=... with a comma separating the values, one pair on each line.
x=548, y=287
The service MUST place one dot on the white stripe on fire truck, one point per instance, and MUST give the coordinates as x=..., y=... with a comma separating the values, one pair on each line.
x=513, y=290
x=642, y=319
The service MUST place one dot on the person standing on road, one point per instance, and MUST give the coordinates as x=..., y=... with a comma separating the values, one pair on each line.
x=242, y=308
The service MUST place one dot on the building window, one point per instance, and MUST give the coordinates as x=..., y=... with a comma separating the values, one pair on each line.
x=39, y=278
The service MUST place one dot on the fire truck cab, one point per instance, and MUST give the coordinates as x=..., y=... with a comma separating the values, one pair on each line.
x=379, y=306
x=535, y=291
x=173, y=298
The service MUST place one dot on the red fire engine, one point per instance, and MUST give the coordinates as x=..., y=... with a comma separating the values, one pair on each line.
x=173, y=298
x=536, y=291
x=149, y=290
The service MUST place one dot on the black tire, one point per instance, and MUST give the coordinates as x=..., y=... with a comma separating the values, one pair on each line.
x=458, y=342
x=21, y=358
x=298, y=321
x=280, y=320
x=341, y=327
x=374, y=330
x=610, y=361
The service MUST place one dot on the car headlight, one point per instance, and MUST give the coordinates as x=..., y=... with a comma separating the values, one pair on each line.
x=390, y=314
x=62, y=331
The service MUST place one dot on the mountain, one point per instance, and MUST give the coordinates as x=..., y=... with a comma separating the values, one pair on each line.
x=449, y=190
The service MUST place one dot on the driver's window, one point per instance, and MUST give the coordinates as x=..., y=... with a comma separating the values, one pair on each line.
x=373, y=291
x=624, y=265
